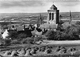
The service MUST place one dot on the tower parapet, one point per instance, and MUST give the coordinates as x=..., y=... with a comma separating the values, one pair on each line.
x=53, y=15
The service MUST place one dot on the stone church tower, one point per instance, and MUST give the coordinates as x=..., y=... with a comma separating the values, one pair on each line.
x=53, y=15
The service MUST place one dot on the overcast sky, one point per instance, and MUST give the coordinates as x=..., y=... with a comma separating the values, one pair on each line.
x=35, y=6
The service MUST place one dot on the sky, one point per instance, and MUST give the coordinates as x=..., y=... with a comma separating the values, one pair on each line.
x=37, y=6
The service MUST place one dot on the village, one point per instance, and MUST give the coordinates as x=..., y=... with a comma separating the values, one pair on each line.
x=40, y=36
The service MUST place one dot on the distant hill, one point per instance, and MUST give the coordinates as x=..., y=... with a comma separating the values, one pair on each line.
x=67, y=14
x=63, y=14
x=5, y=15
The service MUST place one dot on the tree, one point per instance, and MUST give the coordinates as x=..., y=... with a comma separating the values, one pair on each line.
x=60, y=16
x=50, y=34
x=60, y=27
x=7, y=41
x=13, y=34
x=61, y=22
x=28, y=40
x=73, y=32
x=78, y=23
x=21, y=36
x=40, y=19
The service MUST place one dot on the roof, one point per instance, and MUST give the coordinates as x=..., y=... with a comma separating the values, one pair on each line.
x=48, y=26
x=53, y=7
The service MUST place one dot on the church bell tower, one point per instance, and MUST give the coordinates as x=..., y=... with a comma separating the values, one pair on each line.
x=53, y=15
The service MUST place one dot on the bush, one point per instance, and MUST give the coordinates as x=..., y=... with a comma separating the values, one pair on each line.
x=15, y=42
x=37, y=38
x=7, y=42
x=78, y=23
x=2, y=42
x=21, y=36
x=12, y=34
x=61, y=22
x=72, y=32
x=50, y=34
x=28, y=40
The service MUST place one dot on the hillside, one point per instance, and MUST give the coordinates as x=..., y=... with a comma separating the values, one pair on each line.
x=5, y=15
x=22, y=15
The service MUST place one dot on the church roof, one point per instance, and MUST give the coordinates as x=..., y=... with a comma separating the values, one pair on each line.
x=53, y=7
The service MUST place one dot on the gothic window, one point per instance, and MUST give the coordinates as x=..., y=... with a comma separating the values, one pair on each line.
x=49, y=16
x=52, y=16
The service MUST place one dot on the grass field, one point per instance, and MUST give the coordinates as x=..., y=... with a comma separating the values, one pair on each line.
x=75, y=15
x=77, y=46
x=68, y=44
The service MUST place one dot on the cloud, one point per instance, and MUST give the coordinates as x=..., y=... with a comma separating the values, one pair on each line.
x=63, y=0
x=21, y=3
x=68, y=3
x=32, y=6
x=35, y=3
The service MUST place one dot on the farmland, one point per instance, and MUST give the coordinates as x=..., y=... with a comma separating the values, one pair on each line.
x=23, y=15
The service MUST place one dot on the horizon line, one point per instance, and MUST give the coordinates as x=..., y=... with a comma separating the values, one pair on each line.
x=34, y=12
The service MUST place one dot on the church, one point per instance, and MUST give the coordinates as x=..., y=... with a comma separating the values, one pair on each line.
x=52, y=18
x=53, y=15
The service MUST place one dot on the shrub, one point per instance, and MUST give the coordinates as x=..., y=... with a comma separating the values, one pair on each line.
x=27, y=40
x=72, y=32
x=61, y=22
x=50, y=34
x=13, y=34
x=77, y=23
x=15, y=42
x=21, y=36
x=2, y=42
x=37, y=38
x=7, y=41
